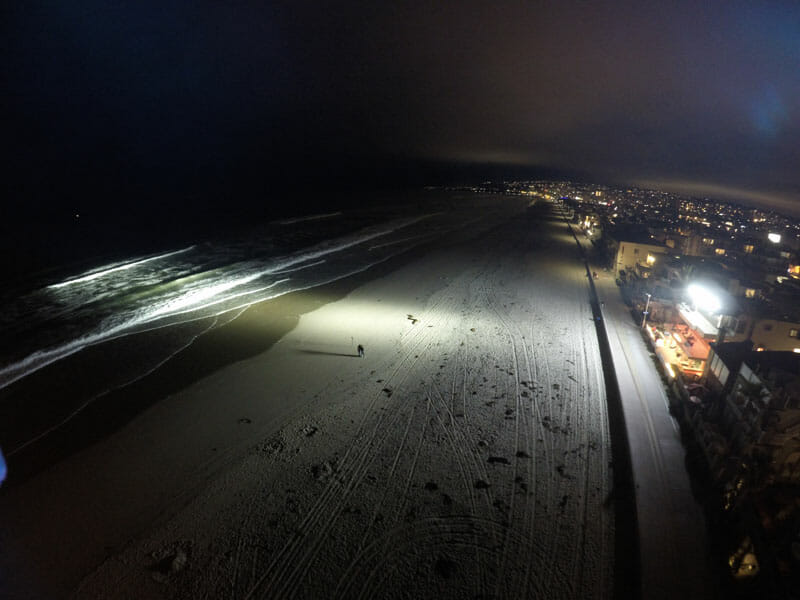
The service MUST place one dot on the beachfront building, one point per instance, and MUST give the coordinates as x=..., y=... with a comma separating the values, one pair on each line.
x=766, y=334
x=771, y=320
x=749, y=433
x=757, y=411
x=636, y=251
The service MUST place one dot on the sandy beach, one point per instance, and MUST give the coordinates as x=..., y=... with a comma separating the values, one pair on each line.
x=466, y=455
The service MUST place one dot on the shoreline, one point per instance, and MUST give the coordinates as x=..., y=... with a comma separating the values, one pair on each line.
x=476, y=408
x=114, y=400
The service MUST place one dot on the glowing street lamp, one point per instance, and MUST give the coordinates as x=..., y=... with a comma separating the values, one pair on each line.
x=646, y=306
x=703, y=298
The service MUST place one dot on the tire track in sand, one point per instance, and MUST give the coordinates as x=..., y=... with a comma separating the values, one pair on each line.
x=282, y=575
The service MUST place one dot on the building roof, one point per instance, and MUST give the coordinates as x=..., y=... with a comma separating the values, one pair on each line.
x=698, y=321
x=632, y=233
x=777, y=367
x=733, y=353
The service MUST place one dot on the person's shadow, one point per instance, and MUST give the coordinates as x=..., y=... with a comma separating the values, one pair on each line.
x=329, y=353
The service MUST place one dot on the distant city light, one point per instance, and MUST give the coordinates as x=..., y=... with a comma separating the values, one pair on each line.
x=775, y=238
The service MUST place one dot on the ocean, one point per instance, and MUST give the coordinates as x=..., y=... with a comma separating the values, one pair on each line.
x=185, y=291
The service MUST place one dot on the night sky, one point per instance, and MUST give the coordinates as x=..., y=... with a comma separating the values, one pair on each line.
x=171, y=103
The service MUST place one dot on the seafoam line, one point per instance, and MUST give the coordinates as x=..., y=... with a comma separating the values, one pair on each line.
x=122, y=267
x=83, y=406
x=395, y=242
x=308, y=218
x=314, y=264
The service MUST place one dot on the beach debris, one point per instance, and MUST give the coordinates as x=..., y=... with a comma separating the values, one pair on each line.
x=323, y=471
x=274, y=446
x=480, y=484
x=309, y=430
x=522, y=454
x=169, y=560
x=498, y=459
x=387, y=391
x=413, y=319
x=245, y=420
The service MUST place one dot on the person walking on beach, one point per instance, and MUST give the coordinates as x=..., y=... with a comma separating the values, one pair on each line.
x=360, y=351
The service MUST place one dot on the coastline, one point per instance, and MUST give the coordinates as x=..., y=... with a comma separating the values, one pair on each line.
x=305, y=442
x=108, y=497
x=109, y=383
x=74, y=380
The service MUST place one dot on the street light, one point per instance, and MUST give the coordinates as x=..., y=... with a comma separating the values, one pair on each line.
x=704, y=298
x=646, y=306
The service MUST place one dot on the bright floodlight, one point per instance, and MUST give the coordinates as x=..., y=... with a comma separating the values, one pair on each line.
x=703, y=298
x=775, y=238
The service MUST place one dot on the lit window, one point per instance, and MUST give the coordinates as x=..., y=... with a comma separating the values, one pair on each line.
x=749, y=293
x=650, y=259
x=748, y=248
x=720, y=251
x=793, y=333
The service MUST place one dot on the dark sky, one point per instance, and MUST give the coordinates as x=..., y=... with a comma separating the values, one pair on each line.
x=166, y=101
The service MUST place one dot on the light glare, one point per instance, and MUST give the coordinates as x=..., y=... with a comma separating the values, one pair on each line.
x=703, y=298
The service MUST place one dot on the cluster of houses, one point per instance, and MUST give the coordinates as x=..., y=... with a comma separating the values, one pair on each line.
x=721, y=312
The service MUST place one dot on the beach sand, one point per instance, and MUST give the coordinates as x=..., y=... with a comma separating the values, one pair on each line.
x=466, y=455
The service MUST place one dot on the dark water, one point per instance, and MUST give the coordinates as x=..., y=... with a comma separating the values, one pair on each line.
x=56, y=312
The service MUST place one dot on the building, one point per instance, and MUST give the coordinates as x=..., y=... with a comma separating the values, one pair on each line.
x=636, y=252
